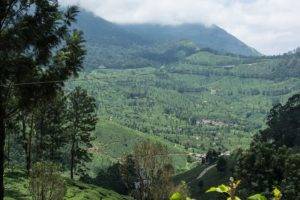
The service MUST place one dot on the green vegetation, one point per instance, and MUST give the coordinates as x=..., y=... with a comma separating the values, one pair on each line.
x=273, y=158
x=143, y=45
x=17, y=186
x=232, y=189
x=198, y=107
x=113, y=141
x=213, y=176
x=154, y=102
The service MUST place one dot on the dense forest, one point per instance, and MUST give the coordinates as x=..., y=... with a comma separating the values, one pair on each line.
x=123, y=112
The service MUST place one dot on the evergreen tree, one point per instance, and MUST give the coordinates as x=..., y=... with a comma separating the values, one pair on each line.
x=82, y=121
x=37, y=46
x=51, y=131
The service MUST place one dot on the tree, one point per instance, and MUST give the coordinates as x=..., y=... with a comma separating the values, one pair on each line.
x=291, y=182
x=50, y=129
x=221, y=164
x=111, y=178
x=37, y=46
x=273, y=157
x=82, y=118
x=46, y=183
x=212, y=155
x=128, y=172
x=153, y=171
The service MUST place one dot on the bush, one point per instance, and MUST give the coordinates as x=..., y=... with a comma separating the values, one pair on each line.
x=222, y=164
x=46, y=183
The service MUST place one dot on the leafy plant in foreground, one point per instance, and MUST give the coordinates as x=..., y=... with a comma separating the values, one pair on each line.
x=231, y=191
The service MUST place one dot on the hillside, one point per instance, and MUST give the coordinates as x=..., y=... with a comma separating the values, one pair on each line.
x=134, y=46
x=203, y=101
x=114, y=141
x=91, y=109
x=198, y=186
x=17, y=188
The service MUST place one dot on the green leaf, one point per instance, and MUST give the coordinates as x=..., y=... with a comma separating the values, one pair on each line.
x=277, y=194
x=176, y=196
x=223, y=188
x=212, y=189
x=220, y=189
x=235, y=198
x=257, y=197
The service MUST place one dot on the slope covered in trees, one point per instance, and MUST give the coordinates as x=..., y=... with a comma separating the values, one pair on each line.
x=133, y=46
x=164, y=102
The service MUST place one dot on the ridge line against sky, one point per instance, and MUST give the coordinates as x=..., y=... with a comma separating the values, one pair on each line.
x=270, y=26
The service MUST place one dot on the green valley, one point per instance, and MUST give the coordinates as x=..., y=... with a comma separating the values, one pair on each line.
x=95, y=109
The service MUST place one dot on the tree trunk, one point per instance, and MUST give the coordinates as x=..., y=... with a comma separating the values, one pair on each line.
x=72, y=159
x=2, y=144
x=29, y=147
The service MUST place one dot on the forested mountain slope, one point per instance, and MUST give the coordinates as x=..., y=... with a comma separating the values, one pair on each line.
x=202, y=101
x=133, y=46
x=212, y=37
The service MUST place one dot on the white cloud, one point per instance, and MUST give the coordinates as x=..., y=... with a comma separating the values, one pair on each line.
x=271, y=26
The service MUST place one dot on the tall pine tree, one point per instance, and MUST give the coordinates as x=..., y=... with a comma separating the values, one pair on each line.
x=83, y=118
x=38, y=50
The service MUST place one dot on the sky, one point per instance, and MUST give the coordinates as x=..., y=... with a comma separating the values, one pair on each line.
x=270, y=26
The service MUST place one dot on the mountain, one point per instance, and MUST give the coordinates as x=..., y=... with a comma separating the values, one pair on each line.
x=113, y=45
x=101, y=32
x=212, y=37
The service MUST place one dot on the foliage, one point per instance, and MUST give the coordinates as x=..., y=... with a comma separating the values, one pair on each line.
x=231, y=191
x=46, y=182
x=51, y=136
x=37, y=45
x=149, y=171
x=221, y=164
x=82, y=121
x=212, y=155
x=269, y=161
x=113, y=141
x=192, y=106
x=17, y=183
x=181, y=192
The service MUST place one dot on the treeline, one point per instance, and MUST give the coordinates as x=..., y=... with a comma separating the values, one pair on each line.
x=56, y=131
x=39, y=50
x=277, y=68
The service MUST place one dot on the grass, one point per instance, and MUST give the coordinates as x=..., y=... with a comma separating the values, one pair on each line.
x=16, y=188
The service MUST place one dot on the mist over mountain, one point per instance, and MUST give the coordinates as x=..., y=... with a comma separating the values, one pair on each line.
x=133, y=45
x=212, y=37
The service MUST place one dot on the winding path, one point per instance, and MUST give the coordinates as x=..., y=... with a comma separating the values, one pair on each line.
x=205, y=171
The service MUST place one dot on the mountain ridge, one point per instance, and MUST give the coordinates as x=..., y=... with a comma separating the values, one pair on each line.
x=132, y=46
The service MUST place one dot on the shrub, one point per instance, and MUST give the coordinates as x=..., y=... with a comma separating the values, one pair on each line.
x=46, y=183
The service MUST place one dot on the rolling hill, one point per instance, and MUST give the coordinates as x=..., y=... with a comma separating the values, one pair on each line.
x=112, y=141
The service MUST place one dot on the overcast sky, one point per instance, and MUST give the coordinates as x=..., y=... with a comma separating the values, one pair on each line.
x=270, y=26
